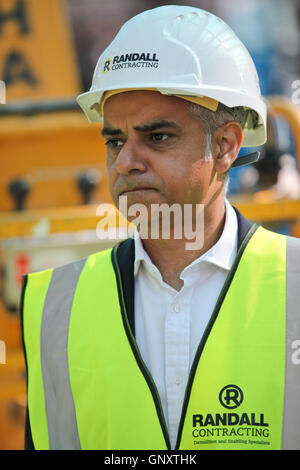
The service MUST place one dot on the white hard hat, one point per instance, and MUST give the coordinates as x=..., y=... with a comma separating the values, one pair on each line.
x=182, y=51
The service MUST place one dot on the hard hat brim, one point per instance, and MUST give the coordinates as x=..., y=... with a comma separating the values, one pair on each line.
x=90, y=102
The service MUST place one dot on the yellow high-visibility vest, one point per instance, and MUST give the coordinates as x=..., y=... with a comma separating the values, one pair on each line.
x=88, y=387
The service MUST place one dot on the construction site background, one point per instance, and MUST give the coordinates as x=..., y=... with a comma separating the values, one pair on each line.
x=52, y=161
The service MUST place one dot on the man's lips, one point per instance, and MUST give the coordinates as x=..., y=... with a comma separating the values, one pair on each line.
x=132, y=190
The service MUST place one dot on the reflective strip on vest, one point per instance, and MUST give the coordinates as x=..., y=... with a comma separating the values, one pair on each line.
x=60, y=410
x=291, y=424
x=98, y=393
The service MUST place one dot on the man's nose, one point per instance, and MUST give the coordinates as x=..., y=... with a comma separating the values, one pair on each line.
x=130, y=159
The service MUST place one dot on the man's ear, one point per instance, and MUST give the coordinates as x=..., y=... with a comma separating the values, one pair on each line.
x=228, y=139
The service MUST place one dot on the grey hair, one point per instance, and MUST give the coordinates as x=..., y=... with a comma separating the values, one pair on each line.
x=212, y=120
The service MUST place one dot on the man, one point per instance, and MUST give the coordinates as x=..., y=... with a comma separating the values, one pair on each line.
x=158, y=344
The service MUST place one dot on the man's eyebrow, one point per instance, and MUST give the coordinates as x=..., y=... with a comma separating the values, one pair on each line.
x=152, y=126
x=110, y=131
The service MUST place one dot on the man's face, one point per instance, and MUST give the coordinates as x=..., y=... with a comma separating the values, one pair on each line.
x=156, y=151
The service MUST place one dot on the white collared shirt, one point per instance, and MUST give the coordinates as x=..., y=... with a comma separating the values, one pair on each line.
x=169, y=324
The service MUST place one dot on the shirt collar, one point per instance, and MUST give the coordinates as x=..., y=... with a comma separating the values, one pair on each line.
x=221, y=254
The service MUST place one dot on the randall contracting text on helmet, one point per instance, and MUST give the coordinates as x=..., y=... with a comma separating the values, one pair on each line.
x=134, y=59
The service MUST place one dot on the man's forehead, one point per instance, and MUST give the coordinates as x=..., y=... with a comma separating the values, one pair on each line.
x=129, y=101
x=134, y=95
x=144, y=110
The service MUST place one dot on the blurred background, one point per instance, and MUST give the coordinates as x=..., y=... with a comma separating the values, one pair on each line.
x=52, y=162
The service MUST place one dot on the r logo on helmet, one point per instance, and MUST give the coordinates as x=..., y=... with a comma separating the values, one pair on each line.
x=107, y=65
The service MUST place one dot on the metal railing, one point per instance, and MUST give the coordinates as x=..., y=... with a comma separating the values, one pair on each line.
x=30, y=108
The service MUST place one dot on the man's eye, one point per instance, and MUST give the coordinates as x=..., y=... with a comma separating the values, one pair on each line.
x=159, y=137
x=114, y=143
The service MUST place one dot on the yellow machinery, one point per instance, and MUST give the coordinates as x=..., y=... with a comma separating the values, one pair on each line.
x=266, y=209
x=52, y=176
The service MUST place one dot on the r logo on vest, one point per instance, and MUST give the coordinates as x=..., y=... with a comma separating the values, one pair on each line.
x=231, y=396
